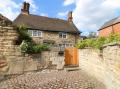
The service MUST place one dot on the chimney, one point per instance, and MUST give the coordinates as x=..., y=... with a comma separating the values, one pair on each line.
x=25, y=8
x=70, y=18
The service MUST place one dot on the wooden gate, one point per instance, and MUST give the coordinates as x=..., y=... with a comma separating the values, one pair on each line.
x=71, y=56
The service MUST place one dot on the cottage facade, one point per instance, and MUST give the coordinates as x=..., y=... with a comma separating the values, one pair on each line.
x=110, y=27
x=48, y=30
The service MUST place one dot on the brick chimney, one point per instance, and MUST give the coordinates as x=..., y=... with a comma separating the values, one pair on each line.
x=25, y=8
x=70, y=18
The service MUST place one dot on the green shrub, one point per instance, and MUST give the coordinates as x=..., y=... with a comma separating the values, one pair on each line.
x=40, y=47
x=81, y=44
x=24, y=46
x=23, y=35
x=28, y=47
x=97, y=43
x=26, y=43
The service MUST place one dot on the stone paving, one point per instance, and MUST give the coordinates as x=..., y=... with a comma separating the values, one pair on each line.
x=52, y=80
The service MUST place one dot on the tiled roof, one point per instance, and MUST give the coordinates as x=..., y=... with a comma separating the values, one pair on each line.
x=45, y=23
x=111, y=22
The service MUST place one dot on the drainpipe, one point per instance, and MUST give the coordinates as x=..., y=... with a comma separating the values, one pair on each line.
x=112, y=29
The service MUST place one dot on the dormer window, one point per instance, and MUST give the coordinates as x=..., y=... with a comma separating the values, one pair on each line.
x=63, y=35
x=35, y=33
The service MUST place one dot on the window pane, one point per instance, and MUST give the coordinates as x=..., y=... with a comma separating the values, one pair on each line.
x=60, y=34
x=64, y=35
x=35, y=33
x=39, y=33
x=30, y=32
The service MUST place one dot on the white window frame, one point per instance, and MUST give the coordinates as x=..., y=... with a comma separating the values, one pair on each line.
x=33, y=34
x=63, y=33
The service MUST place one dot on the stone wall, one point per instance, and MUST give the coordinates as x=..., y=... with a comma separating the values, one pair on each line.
x=12, y=61
x=104, y=65
x=71, y=38
x=57, y=61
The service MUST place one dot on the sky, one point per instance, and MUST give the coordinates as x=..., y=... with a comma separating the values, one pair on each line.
x=88, y=15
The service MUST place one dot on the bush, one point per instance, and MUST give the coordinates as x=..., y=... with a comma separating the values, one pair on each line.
x=23, y=35
x=81, y=44
x=97, y=43
x=85, y=43
x=28, y=47
x=26, y=43
x=40, y=47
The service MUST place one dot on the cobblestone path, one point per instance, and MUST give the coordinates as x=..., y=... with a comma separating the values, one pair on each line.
x=52, y=80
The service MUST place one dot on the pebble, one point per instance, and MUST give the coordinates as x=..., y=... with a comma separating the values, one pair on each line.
x=52, y=80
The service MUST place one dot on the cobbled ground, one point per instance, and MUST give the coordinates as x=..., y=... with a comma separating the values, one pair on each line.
x=52, y=80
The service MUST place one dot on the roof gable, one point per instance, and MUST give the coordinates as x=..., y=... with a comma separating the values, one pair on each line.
x=4, y=21
x=45, y=23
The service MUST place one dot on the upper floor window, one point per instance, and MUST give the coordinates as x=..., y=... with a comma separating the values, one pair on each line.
x=62, y=35
x=35, y=33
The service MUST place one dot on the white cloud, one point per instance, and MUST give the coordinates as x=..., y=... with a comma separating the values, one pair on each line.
x=8, y=8
x=11, y=9
x=62, y=14
x=44, y=14
x=68, y=2
x=89, y=15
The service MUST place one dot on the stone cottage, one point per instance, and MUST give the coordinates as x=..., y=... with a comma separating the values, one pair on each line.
x=112, y=26
x=58, y=32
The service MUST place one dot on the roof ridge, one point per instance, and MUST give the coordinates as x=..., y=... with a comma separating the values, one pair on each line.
x=44, y=23
x=47, y=17
x=112, y=19
x=110, y=22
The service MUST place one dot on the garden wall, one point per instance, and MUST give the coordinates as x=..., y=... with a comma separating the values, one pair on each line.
x=104, y=65
x=12, y=61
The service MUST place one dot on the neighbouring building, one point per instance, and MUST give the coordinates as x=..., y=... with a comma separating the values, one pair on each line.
x=110, y=27
x=48, y=30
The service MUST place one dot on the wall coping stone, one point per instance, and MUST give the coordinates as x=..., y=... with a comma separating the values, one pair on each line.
x=111, y=44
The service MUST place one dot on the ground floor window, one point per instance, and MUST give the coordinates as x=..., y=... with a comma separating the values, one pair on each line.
x=66, y=45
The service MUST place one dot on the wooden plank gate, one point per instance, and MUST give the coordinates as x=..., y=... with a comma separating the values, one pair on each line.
x=71, y=56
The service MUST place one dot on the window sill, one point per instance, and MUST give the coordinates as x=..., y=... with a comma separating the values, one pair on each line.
x=36, y=36
x=63, y=38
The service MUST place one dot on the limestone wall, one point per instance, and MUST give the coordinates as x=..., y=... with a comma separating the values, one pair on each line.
x=104, y=65
x=52, y=56
x=71, y=38
x=12, y=61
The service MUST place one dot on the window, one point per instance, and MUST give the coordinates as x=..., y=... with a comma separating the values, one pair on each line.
x=66, y=45
x=62, y=35
x=35, y=33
